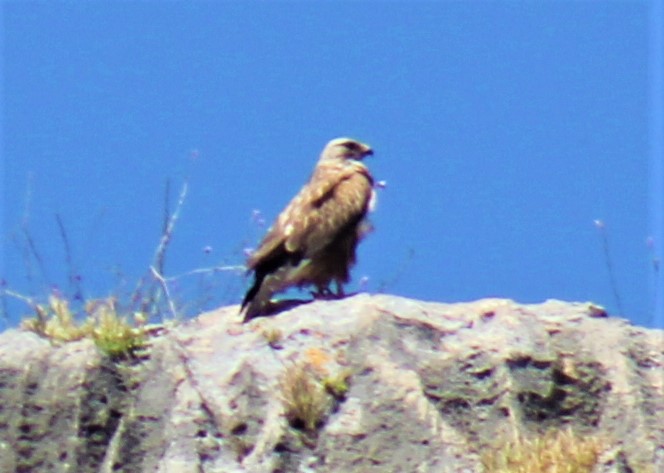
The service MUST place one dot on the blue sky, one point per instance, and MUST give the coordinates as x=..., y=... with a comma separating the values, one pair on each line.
x=503, y=130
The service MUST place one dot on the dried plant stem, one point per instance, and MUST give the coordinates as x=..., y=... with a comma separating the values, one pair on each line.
x=157, y=267
x=213, y=269
x=609, y=265
x=164, y=286
x=169, y=225
x=28, y=301
x=74, y=282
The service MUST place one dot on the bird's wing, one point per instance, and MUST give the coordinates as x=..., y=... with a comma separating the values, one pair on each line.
x=343, y=206
x=333, y=199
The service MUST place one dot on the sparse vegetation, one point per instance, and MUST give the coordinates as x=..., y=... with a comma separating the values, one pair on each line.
x=561, y=451
x=337, y=384
x=155, y=294
x=310, y=393
x=112, y=333
x=56, y=321
x=306, y=401
x=273, y=337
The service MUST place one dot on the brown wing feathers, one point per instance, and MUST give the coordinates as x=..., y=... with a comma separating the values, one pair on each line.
x=313, y=240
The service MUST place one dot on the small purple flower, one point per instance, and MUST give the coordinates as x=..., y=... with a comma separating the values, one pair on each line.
x=257, y=218
x=363, y=283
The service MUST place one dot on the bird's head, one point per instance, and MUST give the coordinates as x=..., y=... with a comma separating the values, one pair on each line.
x=346, y=148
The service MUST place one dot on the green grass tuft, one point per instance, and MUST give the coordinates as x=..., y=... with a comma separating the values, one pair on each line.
x=111, y=332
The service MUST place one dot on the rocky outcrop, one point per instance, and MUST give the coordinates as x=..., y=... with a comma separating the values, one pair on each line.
x=411, y=387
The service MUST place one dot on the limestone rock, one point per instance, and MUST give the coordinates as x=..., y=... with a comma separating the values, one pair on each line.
x=426, y=387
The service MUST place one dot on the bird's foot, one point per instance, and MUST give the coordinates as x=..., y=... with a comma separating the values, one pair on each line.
x=326, y=294
x=322, y=294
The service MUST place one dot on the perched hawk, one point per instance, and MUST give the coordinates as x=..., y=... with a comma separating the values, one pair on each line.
x=313, y=240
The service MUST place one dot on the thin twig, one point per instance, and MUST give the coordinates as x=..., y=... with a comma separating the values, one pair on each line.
x=650, y=242
x=215, y=269
x=609, y=264
x=167, y=210
x=30, y=249
x=168, y=231
x=74, y=281
x=28, y=301
x=164, y=286
x=160, y=252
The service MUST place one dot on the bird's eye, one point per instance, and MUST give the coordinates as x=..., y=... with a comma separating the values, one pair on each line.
x=351, y=146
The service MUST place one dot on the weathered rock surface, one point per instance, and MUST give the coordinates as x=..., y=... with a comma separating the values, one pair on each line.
x=431, y=386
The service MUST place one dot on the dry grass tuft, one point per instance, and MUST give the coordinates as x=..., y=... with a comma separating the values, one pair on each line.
x=274, y=338
x=112, y=333
x=561, y=451
x=305, y=400
x=56, y=322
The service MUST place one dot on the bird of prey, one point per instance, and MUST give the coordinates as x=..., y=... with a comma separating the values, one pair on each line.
x=313, y=240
